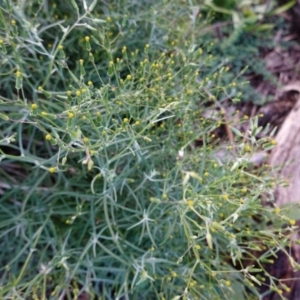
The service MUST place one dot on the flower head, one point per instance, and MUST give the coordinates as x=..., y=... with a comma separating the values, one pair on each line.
x=48, y=137
x=52, y=170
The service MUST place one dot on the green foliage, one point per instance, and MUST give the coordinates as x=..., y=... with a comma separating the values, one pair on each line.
x=103, y=190
x=249, y=29
x=229, y=4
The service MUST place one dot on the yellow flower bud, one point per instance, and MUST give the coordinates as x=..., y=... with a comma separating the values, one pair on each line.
x=70, y=115
x=52, y=170
x=190, y=203
x=48, y=137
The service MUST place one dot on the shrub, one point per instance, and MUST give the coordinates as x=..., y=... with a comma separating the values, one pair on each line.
x=104, y=191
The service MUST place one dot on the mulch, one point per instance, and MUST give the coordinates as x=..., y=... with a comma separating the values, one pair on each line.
x=284, y=65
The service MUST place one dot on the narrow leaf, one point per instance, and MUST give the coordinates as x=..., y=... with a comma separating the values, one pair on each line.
x=283, y=8
x=236, y=131
x=85, y=5
x=4, y=117
x=75, y=5
x=92, y=6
